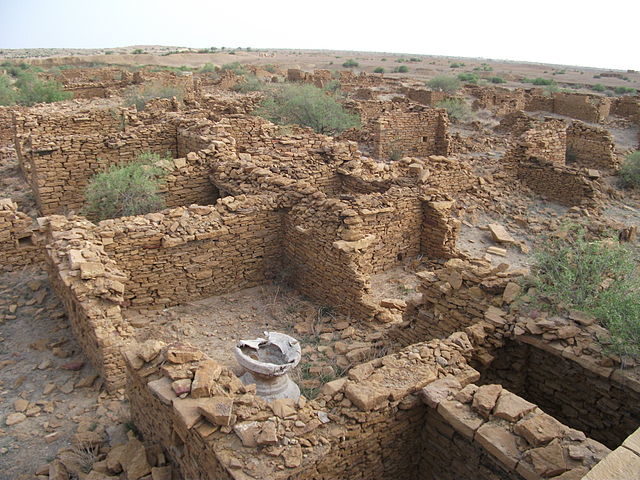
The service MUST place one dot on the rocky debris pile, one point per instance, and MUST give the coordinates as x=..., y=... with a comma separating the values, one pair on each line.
x=519, y=435
x=17, y=246
x=91, y=457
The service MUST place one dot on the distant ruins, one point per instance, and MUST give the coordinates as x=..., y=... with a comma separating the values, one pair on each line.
x=467, y=386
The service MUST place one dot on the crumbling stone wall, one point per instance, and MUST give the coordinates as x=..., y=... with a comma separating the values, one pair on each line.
x=590, y=147
x=627, y=107
x=17, y=245
x=605, y=406
x=412, y=133
x=500, y=100
x=565, y=185
x=581, y=106
x=423, y=96
x=178, y=255
x=546, y=141
x=91, y=287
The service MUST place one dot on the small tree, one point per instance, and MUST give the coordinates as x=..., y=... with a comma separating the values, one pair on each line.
x=378, y=70
x=444, y=83
x=309, y=106
x=350, y=64
x=125, y=190
x=401, y=69
x=32, y=90
x=630, y=171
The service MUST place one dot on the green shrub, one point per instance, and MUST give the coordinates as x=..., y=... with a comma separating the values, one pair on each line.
x=125, y=190
x=208, y=68
x=235, y=67
x=468, y=77
x=497, y=80
x=630, y=171
x=350, y=64
x=456, y=108
x=139, y=96
x=378, y=70
x=415, y=59
x=138, y=51
x=333, y=86
x=598, y=277
x=251, y=84
x=542, y=81
x=32, y=89
x=401, y=69
x=624, y=90
x=8, y=95
x=306, y=105
x=456, y=65
x=444, y=83
x=270, y=68
x=598, y=87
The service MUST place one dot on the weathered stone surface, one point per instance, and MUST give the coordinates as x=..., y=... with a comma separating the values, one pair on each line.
x=205, y=377
x=183, y=353
x=460, y=416
x=500, y=234
x=366, y=397
x=218, y=410
x=549, y=461
x=134, y=460
x=292, y=456
x=539, y=429
x=485, y=399
x=247, y=432
x=511, y=407
x=283, y=407
x=500, y=443
x=440, y=390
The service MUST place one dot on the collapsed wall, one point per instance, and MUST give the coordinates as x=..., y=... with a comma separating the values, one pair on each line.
x=581, y=106
x=17, y=246
x=590, y=147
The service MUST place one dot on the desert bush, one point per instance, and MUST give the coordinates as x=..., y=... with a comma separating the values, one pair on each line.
x=468, y=77
x=497, y=80
x=270, y=68
x=138, y=51
x=444, y=83
x=309, y=106
x=351, y=63
x=598, y=87
x=139, y=96
x=542, y=81
x=630, y=171
x=456, y=108
x=596, y=276
x=624, y=90
x=251, y=84
x=208, y=68
x=378, y=70
x=32, y=89
x=401, y=69
x=456, y=65
x=333, y=86
x=125, y=190
x=8, y=95
x=235, y=67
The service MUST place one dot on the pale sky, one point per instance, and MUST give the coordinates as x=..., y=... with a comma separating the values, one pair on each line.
x=587, y=33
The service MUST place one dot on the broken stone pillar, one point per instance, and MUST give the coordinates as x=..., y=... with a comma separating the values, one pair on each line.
x=267, y=361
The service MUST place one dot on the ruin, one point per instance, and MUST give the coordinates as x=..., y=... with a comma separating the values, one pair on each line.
x=416, y=361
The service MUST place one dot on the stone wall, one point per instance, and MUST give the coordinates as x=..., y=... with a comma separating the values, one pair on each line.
x=499, y=100
x=565, y=185
x=627, y=107
x=590, y=147
x=546, y=141
x=605, y=406
x=423, y=96
x=17, y=245
x=90, y=285
x=182, y=254
x=412, y=134
x=581, y=106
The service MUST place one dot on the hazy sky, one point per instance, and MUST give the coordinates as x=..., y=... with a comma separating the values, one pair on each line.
x=587, y=33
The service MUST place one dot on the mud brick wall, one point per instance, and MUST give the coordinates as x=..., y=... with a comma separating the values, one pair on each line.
x=90, y=286
x=589, y=108
x=60, y=168
x=17, y=246
x=424, y=96
x=371, y=429
x=565, y=185
x=488, y=433
x=598, y=400
x=183, y=254
x=412, y=134
x=590, y=147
